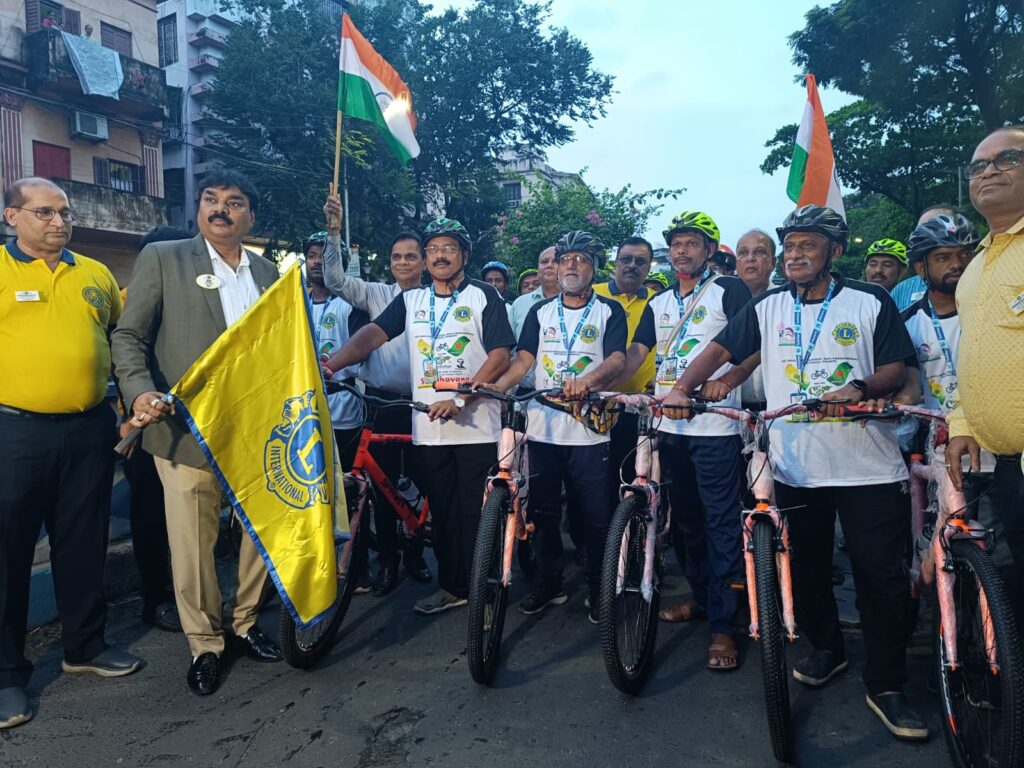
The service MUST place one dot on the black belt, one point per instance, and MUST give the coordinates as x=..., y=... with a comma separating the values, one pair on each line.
x=1014, y=457
x=385, y=394
x=11, y=411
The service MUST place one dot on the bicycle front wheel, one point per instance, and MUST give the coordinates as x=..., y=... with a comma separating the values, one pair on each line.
x=983, y=710
x=774, y=672
x=304, y=646
x=487, y=596
x=629, y=622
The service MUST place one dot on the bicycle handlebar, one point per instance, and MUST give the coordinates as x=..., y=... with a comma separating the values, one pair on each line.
x=464, y=388
x=854, y=412
x=337, y=386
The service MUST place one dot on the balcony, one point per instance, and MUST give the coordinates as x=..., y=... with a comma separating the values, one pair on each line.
x=198, y=10
x=174, y=133
x=50, y=74
x=207, y=36
x=200, y=90
x=112, y=210
x=204, y=62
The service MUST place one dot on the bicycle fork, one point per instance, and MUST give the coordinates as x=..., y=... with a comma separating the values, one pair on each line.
x=781, y=539
x=516, y=526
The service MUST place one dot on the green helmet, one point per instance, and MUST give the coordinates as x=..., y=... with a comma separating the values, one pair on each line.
x=659, y=277
x=447, y=228
x=888, y=247
x=694, y=221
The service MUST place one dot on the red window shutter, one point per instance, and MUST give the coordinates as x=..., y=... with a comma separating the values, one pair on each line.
x=51, y=161
x=72, y=22
x=101, y=171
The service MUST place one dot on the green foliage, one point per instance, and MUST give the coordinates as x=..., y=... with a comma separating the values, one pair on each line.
x=871, y=217
x=552, y=211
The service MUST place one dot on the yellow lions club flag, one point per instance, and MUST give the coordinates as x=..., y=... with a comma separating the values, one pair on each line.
x=255, y=402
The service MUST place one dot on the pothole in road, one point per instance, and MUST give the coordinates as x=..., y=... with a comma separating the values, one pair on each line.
x=390, y=739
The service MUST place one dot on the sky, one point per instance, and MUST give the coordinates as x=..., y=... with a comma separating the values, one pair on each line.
x=698, y=90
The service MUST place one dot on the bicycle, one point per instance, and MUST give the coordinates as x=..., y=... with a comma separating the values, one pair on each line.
x=304, y=646
x=766, y=553
x=631, y=570
x=977, y=646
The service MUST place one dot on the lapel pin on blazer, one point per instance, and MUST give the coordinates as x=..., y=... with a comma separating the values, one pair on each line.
x=209, y=282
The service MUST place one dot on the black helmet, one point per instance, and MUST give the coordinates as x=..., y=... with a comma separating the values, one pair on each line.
x=816, y=218
x=941, y=232
x=581, y=242
x=448, y=228
x=317, y=238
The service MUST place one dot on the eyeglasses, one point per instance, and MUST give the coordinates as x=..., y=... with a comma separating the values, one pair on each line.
x=626, y=260
x=575, y=258
x=1006, y=160
x=46, y=214
x=447, y=250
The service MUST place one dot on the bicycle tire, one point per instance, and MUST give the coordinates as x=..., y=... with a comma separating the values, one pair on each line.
x=970, y=693
x=774, y=672
x=629, y=654
x=302, y=648
x=485, y=589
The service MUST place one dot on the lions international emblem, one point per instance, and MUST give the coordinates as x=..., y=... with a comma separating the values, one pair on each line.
x=294, y=458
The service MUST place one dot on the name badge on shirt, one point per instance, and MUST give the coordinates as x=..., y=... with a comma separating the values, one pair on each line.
x=26, y=295
x=209, y=282
x=1017, y=305
x=429, y=371
x=797, y=398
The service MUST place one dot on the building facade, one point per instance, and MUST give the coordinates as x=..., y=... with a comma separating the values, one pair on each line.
x=519, y=172
x=104, y=151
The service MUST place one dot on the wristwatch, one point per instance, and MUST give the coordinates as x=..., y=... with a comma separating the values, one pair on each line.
x=861, y=385
x=459, y=401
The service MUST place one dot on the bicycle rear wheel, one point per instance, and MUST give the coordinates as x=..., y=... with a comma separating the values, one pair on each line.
x=303, y=647
x=983, y=712
x=629, y=623
x=774, y=672
x=487, y=597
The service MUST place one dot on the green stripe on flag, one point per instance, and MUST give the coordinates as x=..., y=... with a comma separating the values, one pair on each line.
x=797, y=171
x=356, y=99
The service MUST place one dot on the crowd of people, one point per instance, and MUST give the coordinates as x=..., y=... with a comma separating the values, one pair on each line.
x=950, y=334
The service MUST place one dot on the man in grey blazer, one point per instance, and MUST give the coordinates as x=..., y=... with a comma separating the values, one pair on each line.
x=181, y=297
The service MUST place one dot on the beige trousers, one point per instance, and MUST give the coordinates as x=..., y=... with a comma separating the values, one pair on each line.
x=192, y=500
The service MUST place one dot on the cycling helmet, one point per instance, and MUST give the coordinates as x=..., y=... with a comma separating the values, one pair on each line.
x=525, y=273
x=448, y=228
x=579, y=241
x=693, y=221
x=498, y=266
x=888, y=247
x=658, y=277
x=941, y=232
x=314, y=239
x=725, y=258
x=816, y=218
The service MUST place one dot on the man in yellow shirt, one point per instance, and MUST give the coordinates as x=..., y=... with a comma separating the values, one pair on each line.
x=990, y=303
x=56, y=458
x=632, y=265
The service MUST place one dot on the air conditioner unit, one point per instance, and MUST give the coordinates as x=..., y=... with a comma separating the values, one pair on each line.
x=89, y=127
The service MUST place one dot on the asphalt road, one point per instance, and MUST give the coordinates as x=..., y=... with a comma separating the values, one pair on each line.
x=395, y=691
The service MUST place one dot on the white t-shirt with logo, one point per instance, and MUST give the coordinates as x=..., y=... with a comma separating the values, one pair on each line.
x=861, y=331
x=334, y=321
x=721, y=300
x=602, y=331
x=476, y=322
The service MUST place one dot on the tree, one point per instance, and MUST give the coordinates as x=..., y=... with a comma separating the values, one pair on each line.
x=552, y=211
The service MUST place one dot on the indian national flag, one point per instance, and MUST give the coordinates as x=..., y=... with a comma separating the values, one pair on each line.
x=369, y=88
x=812, y=174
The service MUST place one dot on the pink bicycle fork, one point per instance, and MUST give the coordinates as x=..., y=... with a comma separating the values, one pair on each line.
x=516, y=526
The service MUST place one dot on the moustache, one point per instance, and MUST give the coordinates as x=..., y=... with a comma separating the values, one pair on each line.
x=631, y=272
x=222, y=216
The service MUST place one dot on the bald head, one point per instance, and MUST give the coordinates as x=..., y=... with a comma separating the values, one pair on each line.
x=16, y=194
x=547, y=271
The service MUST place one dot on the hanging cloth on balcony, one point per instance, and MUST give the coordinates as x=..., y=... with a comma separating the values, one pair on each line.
x=98, y=68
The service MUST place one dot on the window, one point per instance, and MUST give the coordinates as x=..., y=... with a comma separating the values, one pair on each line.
x=513, y=193
x=116, y=39
x=117, y=175
x=51, y=14
x=51, y=161
x=167, y=38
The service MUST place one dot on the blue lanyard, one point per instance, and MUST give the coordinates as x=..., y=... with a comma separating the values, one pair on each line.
x=435, y=331
x=705, y=278
x=801, y=358
x=937, y=325
x=579, y=326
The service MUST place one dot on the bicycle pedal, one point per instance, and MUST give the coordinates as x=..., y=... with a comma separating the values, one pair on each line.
x=530, y=527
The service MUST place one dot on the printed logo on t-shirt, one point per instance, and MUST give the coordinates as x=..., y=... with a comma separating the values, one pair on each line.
x=550, y=333
x=93, y=296
x=420, y=316
x=787, y=338
x=845, y=334
x=589, y=334
x=463, y=314
x=329, y=320
x=699, y=314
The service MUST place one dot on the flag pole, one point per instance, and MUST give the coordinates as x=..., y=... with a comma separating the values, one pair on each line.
x=338, y=128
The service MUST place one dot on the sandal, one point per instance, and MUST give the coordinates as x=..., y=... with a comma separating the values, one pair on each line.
x=440, y=601
x=723, y=655
x=688, y=610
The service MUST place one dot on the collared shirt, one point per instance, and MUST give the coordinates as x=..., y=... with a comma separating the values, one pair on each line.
x=53, y=331
x=237, y=288
x=990, y=369
x=909, y=292
x=634, y=311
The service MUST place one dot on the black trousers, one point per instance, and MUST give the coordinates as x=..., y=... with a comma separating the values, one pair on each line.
x=876, y=522
x=149, y=529
x=452, y=478
x=58, y=473
x=584, y=471
x=1008, y=497
x=621, y=452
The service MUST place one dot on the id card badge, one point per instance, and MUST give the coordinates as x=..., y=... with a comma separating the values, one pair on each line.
x=430, y=371
x=567, y=375
x=1017, y=305
x=797, y=398
x=668, y=369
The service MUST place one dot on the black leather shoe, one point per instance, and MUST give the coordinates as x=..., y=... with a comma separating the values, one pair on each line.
x=386, y=581
x=258, y=646
x=204, y=674
x=418, y=570
x=163, y=616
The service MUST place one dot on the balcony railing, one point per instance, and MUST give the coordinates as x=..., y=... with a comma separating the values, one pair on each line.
x=207, y=36
x=106, y=208
x=205, y=62
x=50, y=73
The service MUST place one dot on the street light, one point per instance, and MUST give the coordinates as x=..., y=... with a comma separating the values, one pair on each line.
x=959, y=175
